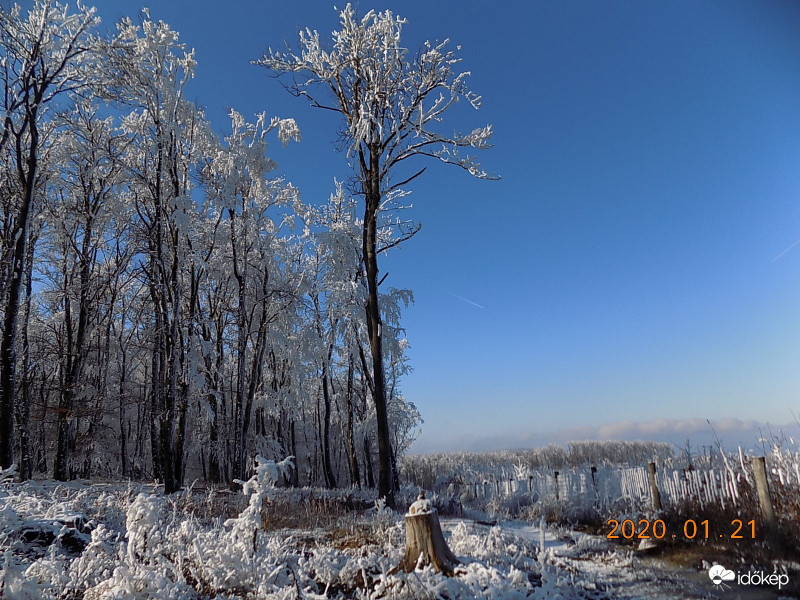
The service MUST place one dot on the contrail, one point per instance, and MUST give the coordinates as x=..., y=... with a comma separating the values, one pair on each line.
x=475, y=303
x=786, y=251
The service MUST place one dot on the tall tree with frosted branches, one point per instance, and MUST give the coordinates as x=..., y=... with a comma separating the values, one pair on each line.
x=147, y=69
x=391, y=106
x=44, y=56
x=236, y=179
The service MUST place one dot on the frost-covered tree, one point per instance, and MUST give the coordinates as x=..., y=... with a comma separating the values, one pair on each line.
x=87, y=223
x=237, y=182
x=169, y=317
x=43, y=59
x=343, y=293
x=147, y=70
x=391, y=107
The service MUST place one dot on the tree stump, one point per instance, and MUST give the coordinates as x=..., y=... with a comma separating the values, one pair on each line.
x=425, y=543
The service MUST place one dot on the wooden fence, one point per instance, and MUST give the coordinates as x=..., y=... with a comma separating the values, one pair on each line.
x=600, y=487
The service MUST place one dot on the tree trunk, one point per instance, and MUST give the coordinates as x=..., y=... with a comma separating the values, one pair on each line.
x=368, y=463
x=213, y=385
x=395, y=472
x=256, y=375
x=330, y=478
x=27, y=169
x=24, y=410
x=296, y=470
x=123, y=439
x=372, y=199
x=41, y=462
x=355, y=475
x=155, y=403
x=242, y=326
x=170, y=434
x=425, y=545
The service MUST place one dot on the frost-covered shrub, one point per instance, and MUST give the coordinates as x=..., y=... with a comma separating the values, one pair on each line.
x=8, y=475
x=483, y=545
x=510, y=507
x=146, y=524
x=97, y=561
x=259, y=487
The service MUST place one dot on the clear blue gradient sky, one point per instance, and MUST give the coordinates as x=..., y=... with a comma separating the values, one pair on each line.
x=636, y=261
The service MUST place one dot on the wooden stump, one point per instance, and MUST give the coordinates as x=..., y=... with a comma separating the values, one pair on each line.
x=425, y=542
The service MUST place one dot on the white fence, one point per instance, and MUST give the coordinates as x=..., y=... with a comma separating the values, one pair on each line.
x=602, y=486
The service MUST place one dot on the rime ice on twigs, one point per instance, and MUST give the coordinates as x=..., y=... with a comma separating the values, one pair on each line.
x=425, y=543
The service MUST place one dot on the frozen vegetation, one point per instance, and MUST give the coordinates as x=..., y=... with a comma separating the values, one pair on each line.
x=129, y=544
x=118, y=541
x=112, y=541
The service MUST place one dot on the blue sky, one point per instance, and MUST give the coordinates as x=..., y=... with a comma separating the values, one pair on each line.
x=631, y=266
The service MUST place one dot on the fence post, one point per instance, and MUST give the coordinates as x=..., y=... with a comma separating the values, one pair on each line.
x=651, y=474
x=555, y=477
x=764, y=499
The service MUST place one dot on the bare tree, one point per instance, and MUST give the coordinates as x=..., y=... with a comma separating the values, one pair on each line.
x=43, y=58
x=391, y=107
x=236, y=179
x=82, y=216
x=147, y=70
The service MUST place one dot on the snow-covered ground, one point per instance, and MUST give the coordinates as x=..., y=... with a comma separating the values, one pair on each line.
x=112, y=541
x=591, y=560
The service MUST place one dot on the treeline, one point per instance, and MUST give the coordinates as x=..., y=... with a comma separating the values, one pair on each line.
x=170, y=307
x=426, y=470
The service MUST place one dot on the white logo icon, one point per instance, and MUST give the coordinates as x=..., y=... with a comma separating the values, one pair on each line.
x=719, y=574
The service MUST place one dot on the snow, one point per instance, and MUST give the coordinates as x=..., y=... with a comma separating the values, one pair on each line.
x=421, y=506
x=144, y=545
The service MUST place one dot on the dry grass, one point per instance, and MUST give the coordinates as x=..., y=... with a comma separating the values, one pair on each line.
x=209, y=503
x=310, y=509
x=356, y=535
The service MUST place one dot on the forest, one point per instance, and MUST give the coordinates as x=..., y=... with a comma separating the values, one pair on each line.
x=171, y=307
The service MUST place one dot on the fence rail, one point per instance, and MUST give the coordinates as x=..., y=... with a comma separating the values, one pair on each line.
x=722, y=487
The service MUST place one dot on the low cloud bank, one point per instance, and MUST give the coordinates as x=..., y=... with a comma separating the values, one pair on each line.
x=731, y=432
